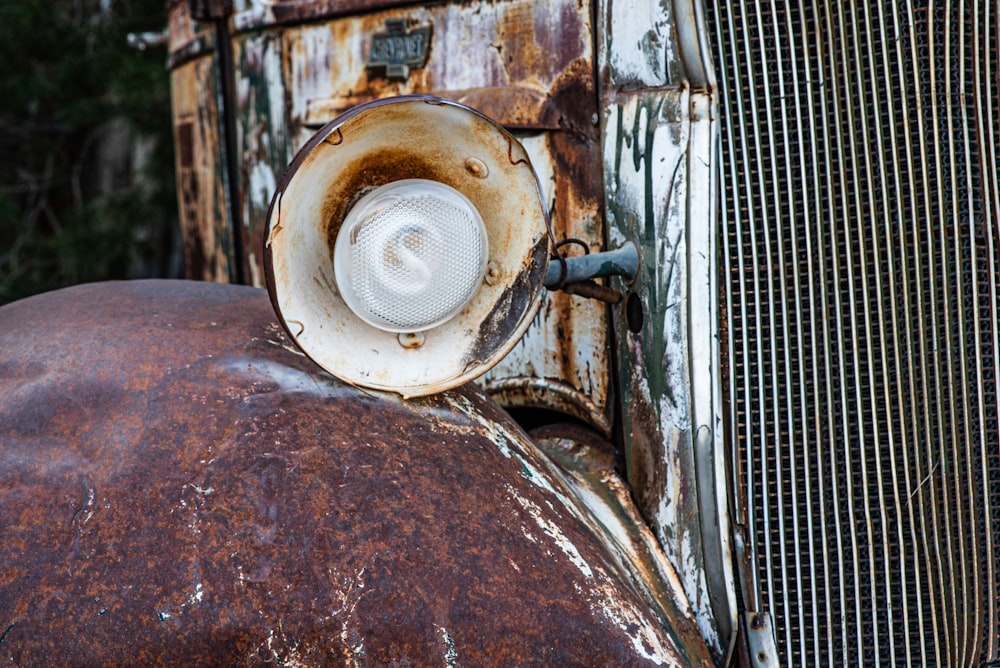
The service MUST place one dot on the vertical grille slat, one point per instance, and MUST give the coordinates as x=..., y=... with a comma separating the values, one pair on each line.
x=860, y=285
x=985, y=75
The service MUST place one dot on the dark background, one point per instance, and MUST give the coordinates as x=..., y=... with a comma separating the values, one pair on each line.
x=86, y=151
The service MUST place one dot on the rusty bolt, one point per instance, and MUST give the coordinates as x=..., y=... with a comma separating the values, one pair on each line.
x=493, y=273
x=411, y=339
x=477, y=168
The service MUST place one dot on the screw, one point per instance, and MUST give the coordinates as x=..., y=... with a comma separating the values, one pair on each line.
x=477, y=168
x=411, y=339
x=493, y=273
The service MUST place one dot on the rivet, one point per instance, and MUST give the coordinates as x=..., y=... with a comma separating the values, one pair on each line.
x=411, y=339
x=493, y=273
x=477, y=168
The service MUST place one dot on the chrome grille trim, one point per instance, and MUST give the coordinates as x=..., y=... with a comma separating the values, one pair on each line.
x=860, y=296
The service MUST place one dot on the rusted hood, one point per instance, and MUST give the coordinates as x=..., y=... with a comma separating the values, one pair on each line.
x=179, y=485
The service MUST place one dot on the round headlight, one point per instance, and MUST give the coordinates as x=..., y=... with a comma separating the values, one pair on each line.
x=407, y=245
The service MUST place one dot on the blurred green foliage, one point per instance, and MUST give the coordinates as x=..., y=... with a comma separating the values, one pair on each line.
x=71, y=86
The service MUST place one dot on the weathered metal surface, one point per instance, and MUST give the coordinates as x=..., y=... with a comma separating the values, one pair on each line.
x=388, y=141
x=200, y=192
x=180, y=486
x=181, y=28
x=569, y=340
x=200, y=163
x=659, y=169
x=551, y=395
x=532, y=62
x=265, y=148
x=254, y=14
x=533, y=73
x=210, y=10
x=586, y=463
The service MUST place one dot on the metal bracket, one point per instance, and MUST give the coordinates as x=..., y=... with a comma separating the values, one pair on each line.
x=147, y=40
x=760, y=639
x=574, y=275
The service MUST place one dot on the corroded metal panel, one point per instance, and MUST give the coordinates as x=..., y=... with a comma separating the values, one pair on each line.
x=200, y=163
x=181, y=486
x=263, y=141
x=200, y=184
x=568, y=342
x=254, y=14
x=659, y=157
x=526, y=64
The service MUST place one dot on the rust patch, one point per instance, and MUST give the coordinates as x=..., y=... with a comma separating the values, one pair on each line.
x=180, y=487
x=295, y=11
x=378, y=168
x=201, y=202
x=509, y=308
x=573, y=102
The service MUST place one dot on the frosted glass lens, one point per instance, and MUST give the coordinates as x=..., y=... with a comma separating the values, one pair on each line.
x=410, y=255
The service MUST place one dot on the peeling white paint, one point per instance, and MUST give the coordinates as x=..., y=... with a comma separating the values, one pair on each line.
x=262, y=185
x=552, y=530
x=648, y=168
x=198, y=595
x=701, y=602
x=636, y=626
x=289, y=657
x=450, y=653
x=503, y=438
x=626, y=548
x=540, y=352
x=638, y=42
x=348, y=595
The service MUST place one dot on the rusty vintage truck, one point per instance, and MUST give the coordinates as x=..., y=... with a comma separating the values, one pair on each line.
x=600, y=332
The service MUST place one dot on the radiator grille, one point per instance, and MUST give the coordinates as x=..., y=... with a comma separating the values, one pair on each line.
x=860, y=272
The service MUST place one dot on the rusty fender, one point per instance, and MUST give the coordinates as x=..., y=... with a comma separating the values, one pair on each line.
x=178, y=485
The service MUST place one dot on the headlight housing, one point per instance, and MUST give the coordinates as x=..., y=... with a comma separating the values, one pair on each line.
x=382, y=234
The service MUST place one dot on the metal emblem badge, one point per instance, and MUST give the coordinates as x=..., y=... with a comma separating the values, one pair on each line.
x=397, y=50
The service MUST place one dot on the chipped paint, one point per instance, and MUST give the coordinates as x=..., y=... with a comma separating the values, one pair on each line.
x=450, y=653
x=568, y=340
x=262, y=135
x=659, y=156
x=201, y=197
x=645, y=640
x=299, y=65
x=324, y=500
x=551, y=529
x=502, y=437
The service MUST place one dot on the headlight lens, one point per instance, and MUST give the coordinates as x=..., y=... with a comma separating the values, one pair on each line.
x=410, y=255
